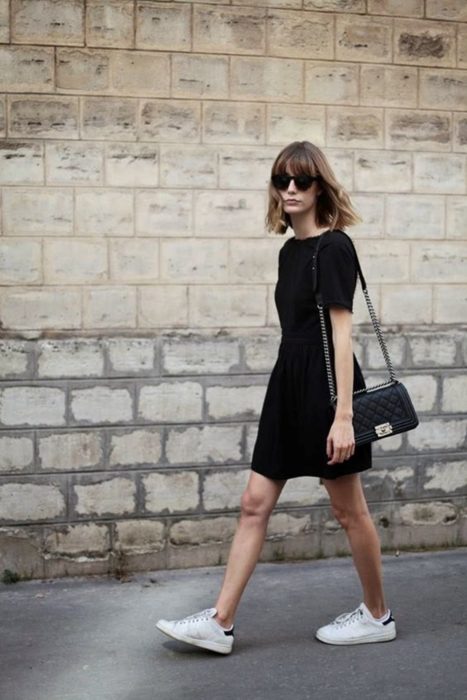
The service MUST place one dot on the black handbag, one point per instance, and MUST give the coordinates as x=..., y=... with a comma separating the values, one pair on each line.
x=378, y=411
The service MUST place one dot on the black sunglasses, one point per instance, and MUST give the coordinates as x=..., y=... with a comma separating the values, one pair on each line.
x=302, y=182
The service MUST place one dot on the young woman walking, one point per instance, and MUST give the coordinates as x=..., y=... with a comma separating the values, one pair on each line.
x=299, y=433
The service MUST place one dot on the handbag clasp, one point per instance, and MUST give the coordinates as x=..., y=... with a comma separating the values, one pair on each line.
x=383, y=429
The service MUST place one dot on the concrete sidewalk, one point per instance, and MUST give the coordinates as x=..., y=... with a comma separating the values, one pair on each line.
x=94, y=639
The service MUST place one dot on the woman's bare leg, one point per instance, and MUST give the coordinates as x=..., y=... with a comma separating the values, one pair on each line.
x=258, y=501
x=351, y=510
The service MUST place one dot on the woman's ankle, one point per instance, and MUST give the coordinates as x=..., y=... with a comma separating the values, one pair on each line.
x=223, y=619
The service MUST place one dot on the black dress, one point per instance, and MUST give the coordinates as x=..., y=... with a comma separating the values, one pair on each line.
x=296, y=415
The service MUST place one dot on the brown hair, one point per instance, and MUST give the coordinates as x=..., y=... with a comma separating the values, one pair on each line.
x=333, y=207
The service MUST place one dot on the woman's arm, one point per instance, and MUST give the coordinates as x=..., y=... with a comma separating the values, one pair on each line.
x=341, y=441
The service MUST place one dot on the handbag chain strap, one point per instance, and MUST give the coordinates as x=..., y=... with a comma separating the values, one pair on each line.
x=374, y=320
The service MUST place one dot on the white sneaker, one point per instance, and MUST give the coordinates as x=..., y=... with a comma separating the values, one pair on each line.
x=357, y=627
x=201, y=630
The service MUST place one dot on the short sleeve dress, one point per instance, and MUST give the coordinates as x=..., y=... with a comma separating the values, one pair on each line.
x=296, y=415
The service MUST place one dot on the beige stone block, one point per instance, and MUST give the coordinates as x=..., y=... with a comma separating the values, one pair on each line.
x=188, y=166
x=438, y=434
x=383, y=262
x=396, y=348
x=233, y=122
x=335, y=5
x=163, y=26
x=23, y=502
x=254, y=261
x=200, y=76
x=4, y=21
x=342, y=164
x=3, y=116
x=132, y=164
x=266, y=79
x=460, y=132
x=222, y=490
x=71, y=163
x=171, y=120
x=383, y=171
x=130, y=355
x=26, y=68
x=47, y=22
x=200, y=356
x=456, y=225
x=32, y=405
x=210, y=443
x=415, y=216
x=21, y=163
x=104, y=212
x=227, y=306
x=173, y=402
x=83, y=70
x=134, y=260
x=21, y=550
x=163, y=306
x=462, y=46
x=242, y=164
x=20, y=262
x=260, y=351
x=69, y=358
x=287, y=122
x=406, y=303
x=418, y=130
x=422, y=389
x=300, y=34
x=424, y=43
x=84, y=540
x=440, y=9
x=171, y=492
x=251, y=435
x=433, y=350
x=439, y=173
x=164, y=212
x=355, y=126
x=371, y=209
x=303, y=492
x=69, y=451
x=75, y=261
x=139, y=536
x=14, y=360
x=332, y=83
x=140, y=73
x=272, y=317
x=57, y=308
x=111, y=496
x=206, y=530
x=101, y=404
x=439, y=262
x=229, y=29
x=399, y=8
x=443, y=89
x=454, y=394
x=112, y=307
x=110, y=23
x=450, y=303
x=109, y=118
x=446, y=476
x=286, y=4
x=135, y=448
x=16, y=453
x=43, y=117
x=37, y=211
x=234, y=401
x=363, y=39
x=388, y=86
x=194, y=260
x=221, y=213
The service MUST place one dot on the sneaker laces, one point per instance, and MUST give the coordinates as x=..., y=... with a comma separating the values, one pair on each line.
x=201, y=615
x=348, y=618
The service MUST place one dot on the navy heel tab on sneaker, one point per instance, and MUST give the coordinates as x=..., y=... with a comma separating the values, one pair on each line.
x=229, y=633
x=390, y=619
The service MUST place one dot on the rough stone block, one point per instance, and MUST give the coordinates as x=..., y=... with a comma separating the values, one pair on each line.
x=35, y=211
x=356, y=126
x=440, y=9
x=3, y=116
x=332, y=83
x=101, y=404
x=112, y=307
x=41, y=116
x=21, y=501
x=415, y=216
x=138, y=447
x=109, y=496
x=42, y=309
x=134, y=260
x=460, y=130
x=404, y=303
x=260, y=352
x=210, y=443
x=110, y=24
x=70, y=451
x=388, y=86
x=83, y=70
x=104, y=212
x=139, y=536
x=227, y=305
x=424, y=43
x=303, y=491
x=266, y=79
x=416, y=130
x=299, y=34
x=74, y=163
x=21, y=163
x=32, y=405
x=15, y=359
x=195, y=260
x=242, y=164
x=163, y=25
x=163, y=306
x=171, y=492
x=439, y=262
x=20, y=262
x=423, y=390
x=110, y=118
x=454, y=394
x=171, y=120
x=443, y=89
x=234, y=214
x=228, y=29
x=130, y=355
x=238, y=122
x=420, y=524
x=446, y=477
x=163, y=212
x=396, y=347
x=400, y=8
x=434, y=350
x=4, y=21
x=82, y=541
x=16, y=452
x=21, y=551
x=254, y=261
x=140, y=73
x=75, y=261
x=200, y=76
x=222, y=490
x=383, y=171
x=199, y=532
x=203, y=356
x=69, y=358
x=450, y=303
x=132, y=165
x=48, y=22
x=287, y=122
x=234, y=401
x=174, y=402
x=364, y=39
x=383, y=263
x=371, y=209
x=438, y=434
x=334, y=5
x=188, y=166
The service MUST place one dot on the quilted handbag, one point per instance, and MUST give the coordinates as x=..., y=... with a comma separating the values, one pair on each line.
x=378, y=411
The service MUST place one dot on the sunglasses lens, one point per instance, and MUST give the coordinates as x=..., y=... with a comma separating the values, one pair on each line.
x=281, y=181
x=302, y=182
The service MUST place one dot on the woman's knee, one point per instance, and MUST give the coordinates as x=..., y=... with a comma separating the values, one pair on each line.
x=255, y=505
x=350, y=516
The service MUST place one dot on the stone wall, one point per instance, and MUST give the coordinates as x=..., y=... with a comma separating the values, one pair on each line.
x=137, y=279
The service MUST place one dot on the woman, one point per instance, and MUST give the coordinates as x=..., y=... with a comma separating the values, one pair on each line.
x=299, y=433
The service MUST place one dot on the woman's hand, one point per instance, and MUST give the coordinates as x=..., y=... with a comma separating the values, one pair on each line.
x=340, y=444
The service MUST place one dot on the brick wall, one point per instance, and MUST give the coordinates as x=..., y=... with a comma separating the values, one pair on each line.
x=136, y=306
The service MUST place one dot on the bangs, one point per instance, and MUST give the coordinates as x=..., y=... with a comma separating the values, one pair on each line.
x=295, y=159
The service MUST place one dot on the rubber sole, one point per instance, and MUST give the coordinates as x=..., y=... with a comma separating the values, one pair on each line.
x=203, y=644
x=367, y=640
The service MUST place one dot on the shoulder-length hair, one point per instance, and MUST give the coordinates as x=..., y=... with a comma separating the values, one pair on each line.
x=333, y=207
